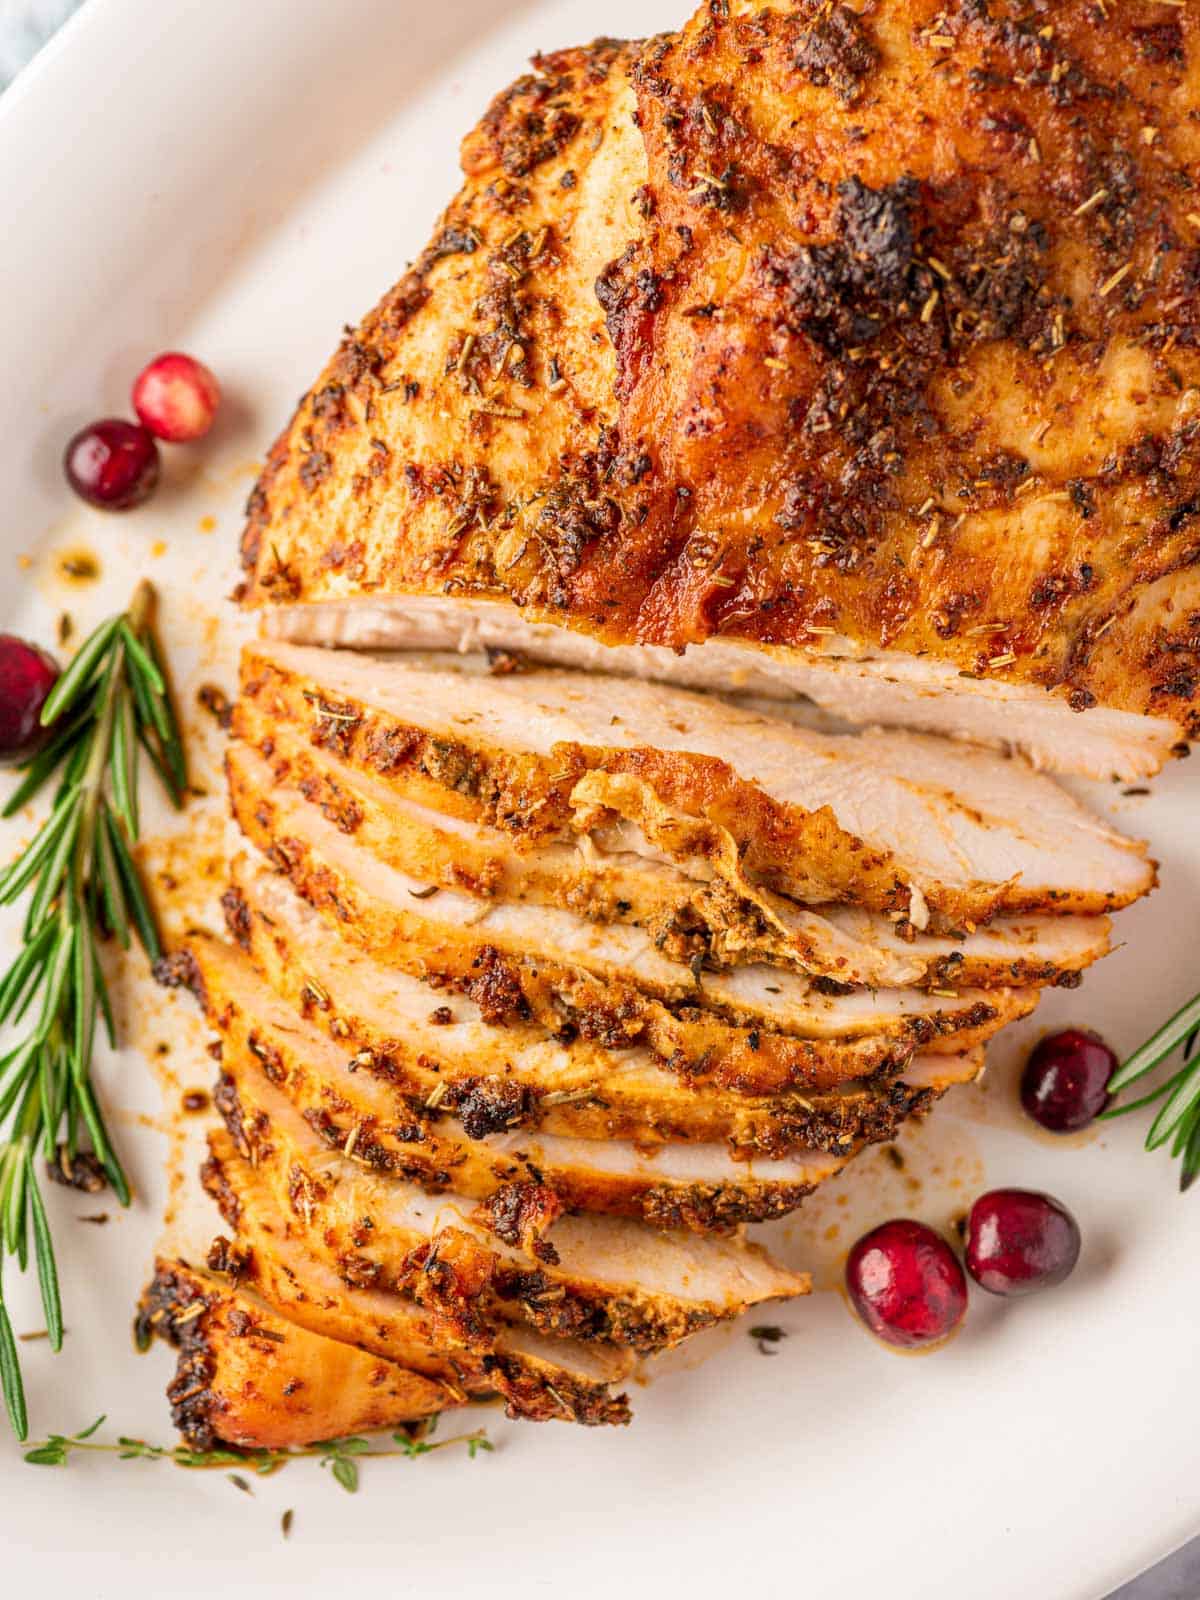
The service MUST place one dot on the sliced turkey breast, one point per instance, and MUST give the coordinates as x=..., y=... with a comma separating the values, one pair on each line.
x=393, y=1119
x=250, y=1378
x=888, y=687
x=540, y=1377
x=694, y=901
x=440, y=1058
x=585, y=1276
x=551, y=965
x=862, y=806
x=1017, y=950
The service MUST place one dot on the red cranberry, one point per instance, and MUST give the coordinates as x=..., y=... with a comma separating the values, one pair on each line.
x=906, y=1283
x=112, y=464
x=1019, y=1241
x=176, y=397
x=1065, y=1082
x=27, y=676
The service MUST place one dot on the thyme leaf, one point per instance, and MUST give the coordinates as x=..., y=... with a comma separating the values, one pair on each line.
x=341, y=1456
x=765, y=1336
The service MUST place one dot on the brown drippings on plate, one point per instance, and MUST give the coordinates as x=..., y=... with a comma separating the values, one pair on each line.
x=77, y=566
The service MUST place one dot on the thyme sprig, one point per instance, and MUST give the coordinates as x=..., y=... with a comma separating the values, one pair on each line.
x=1178, y=1119
x=341, y=1456
x=84, y=885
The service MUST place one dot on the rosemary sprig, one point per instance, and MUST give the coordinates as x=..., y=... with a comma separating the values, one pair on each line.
x=1178, y=1119
x=83, y=885
x=341, y=1456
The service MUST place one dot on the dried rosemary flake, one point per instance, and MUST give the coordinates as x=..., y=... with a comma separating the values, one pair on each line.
x=319, y=994
x=494, y=409
x=1094, y=199
x=1118, y=277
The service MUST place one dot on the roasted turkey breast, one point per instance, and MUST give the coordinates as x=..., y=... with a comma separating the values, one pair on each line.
x=861, y=365
x=249, y=1377
x=820, y=364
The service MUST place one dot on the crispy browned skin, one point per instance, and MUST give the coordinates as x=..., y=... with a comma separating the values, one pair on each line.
x=906, y=351
x=745, y=1054
x=484, y=369
x=439, y=1334
x=529, y=796
x=947, y=365
x=250, y=1378
x=432, y=1147
x=341, y=1212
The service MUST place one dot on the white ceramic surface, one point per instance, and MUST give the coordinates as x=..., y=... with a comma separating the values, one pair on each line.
x=238, y=179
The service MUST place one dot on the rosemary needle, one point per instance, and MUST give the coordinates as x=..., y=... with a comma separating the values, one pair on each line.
x=1178, y=1119
x=84, y=886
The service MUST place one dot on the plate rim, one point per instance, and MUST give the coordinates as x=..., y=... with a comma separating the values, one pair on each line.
x=28, y=100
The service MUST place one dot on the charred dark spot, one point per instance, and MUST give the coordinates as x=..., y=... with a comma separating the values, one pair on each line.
x=836, y=52
x=315, y=466
x=841, y=293
x=178, y=970
x=237, y=917
x=1083, y=497
x=519, y=1213
x=490, y=1105
x=1160, y=43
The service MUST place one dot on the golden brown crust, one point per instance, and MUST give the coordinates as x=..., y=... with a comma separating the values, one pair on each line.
x=495, y=323
x=576, y=1089
x=903, y=348
x=249, y=1378
x=960, y=317
x=804, y=853
x=440, y=1336
x=748, y=1054
x=345, y=1218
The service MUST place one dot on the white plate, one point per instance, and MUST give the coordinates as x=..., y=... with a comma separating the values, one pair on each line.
x=237, y=179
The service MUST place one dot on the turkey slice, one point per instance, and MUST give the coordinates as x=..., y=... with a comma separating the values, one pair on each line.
x=891, y=821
